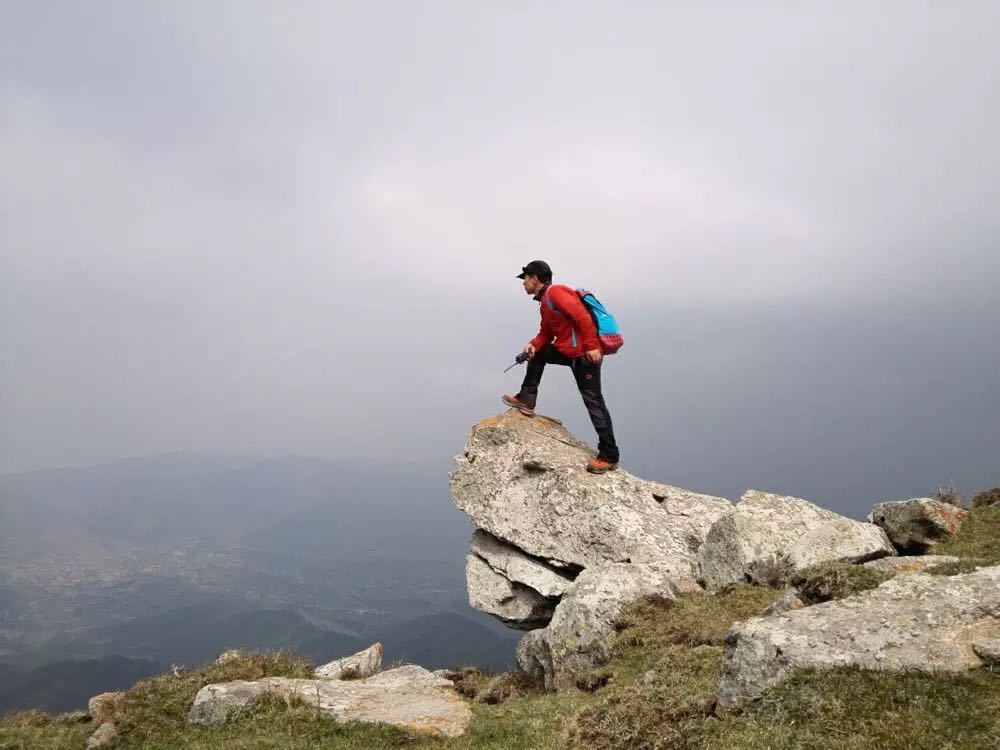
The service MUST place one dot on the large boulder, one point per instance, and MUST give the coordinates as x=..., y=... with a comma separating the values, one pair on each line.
x=409, y=697
x=524, y=481
x=914, y=622
x=917, y=525
x=362, y=664
x=766, y=526
x=580, y=633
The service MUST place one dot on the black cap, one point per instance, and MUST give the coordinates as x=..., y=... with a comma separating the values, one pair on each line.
x=537, y=268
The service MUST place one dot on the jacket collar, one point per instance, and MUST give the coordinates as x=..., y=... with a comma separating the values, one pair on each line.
x=542, y=291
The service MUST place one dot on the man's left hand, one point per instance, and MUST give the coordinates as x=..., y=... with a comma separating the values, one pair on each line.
x=594, y=356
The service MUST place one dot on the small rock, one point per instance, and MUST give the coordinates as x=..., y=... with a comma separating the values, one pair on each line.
x=362, y=664
x=918, y=524
x=988, y=649
x=232, y=654
x=102, y=736
x=788, y=601
x=102, y=707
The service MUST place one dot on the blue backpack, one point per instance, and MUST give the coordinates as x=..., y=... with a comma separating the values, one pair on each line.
x=607, y=327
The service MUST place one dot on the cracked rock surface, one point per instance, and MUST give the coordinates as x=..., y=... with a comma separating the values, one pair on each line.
x=917, y=525
x=408, y=697
x=919, y=621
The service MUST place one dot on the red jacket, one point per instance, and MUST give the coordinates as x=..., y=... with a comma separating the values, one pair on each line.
x=569, y=322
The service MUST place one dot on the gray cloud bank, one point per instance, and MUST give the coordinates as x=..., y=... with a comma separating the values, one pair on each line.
x=279, y=228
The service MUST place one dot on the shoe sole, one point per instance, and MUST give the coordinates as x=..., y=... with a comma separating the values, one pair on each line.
x=603, y=471
x=523, y=409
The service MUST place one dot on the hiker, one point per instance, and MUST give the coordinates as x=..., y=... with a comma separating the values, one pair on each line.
x=576, y=345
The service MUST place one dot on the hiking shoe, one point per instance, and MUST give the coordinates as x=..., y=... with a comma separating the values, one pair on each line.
x=515, y=403
x=600, y=465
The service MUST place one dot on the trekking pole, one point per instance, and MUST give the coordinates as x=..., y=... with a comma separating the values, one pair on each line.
x=519, y=359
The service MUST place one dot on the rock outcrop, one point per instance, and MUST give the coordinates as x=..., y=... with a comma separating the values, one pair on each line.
x=543, y=520
x=914, y=622
x=764, y=525
x=102, y=708
x=409, y=697
x=362, y=664
x=917, y=525
x=523, y=480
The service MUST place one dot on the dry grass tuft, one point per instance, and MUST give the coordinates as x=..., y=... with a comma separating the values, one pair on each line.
x=949, y=495
x=986, y=498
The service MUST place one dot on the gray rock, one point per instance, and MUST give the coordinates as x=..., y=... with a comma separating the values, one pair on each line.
x=913, y=622
x=988, y=649
x=788, y=601
x=102, y=707
x=104, y=734
x=233, y=654
x=910, y=563
x=580, y=633
x=765, y=525
x=517, y=605
x=524, y=481
x=362, y=664
x=918, y=524
x=517, y=567
x=409, y=697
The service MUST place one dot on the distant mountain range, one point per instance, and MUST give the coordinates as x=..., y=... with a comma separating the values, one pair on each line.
x=113, y=572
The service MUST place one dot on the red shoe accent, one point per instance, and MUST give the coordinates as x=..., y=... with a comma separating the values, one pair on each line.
x=514, y=403
x=600, y=466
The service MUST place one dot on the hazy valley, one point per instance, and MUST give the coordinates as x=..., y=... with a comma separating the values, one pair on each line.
x=144, y=563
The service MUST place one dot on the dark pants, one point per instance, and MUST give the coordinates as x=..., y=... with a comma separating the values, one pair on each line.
x=588, y=380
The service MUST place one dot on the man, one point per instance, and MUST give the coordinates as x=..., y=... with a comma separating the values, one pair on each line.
x=567, y=336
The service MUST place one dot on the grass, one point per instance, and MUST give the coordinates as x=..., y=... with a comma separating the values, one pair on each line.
x=852, y=709
x=28, y=730
x=978, y=537
x=986, y=498
x=665, y=670
x=835, y=580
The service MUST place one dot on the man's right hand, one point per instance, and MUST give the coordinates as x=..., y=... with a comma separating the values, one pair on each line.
x=529, y=351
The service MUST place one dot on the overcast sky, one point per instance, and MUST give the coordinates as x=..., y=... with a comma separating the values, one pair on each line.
x=283, y=228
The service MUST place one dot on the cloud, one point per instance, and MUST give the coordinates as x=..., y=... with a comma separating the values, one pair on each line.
x=296, y=229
